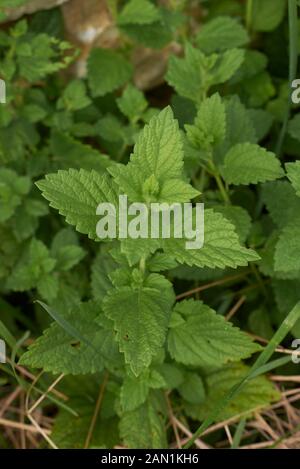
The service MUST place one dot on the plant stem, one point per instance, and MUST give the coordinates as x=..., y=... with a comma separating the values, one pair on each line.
x=249, y=10
x=293, y=53
x=212, y=169
x=143, y=264
x=213, y=284
x=222, y=189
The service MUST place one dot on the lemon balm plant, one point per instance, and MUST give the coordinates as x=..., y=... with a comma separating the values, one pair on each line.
x=136, y=327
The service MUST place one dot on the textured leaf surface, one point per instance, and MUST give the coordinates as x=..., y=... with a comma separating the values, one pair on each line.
x=132, y=103
x=287, y=249
x=33, y=266
x=282, y=202
x=200, y=337
x=135, y=390
x=293, y=173
x=73, y=153
x=267, y=14
x=12, y=188
x=239, y=217
x=221, y=246
x=209, y=126
x=194, y=74
x=107, y=71
x=249, y=164
x=102, y=267
x=155, y=168
x=144, y=427
x=77, y=194
x=258, y=393
x=220, y=34
x=141, y=317
x=58, y=352
x=138, y=12
x=239, y=127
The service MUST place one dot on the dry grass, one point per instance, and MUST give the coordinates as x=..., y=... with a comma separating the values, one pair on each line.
x=277, y=426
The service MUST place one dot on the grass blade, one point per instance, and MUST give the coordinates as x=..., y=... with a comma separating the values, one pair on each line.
x=293, y=53
x=239, y=433
x=72, y=331
x=256, y=369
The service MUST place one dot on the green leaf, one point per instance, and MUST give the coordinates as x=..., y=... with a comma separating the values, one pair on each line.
x=221, y=33
x=155, y=168
x=282, y=202
x=249, y=164
x=132, y=103
x=74, y=96
x=154, y=35
x=138, y=12
x=72, y=153
x=48, y=287
x=176, y=190
x=141, y=317
x=262, y=121
x=255, y=62
x=192, y=389
x=160, y=262
x=259, y=367
x=293, y=173
x=35, y=207
x=226, y=65
x=259, y=322
x=103, y=265
x=172, y=375
x=209, y=127
x=57, y=351
x=165, y=160
x=64, y=237
x=33, y=113
x=200, y=337
x=287, y=248
x=65, y=250
x=77, y=194
x=34, y=263
x=135, y=390
x=267, y=14
x=110, y=128
x=144, y=427
x=193, y=75
x=286, y=294
x=294, y=127
x=40, y=55
x=69, y=256
x=239, y=127
x=12, y=189
x=258, y=393
x=107, y=71
x=259, y=89
x=239, y=217
x=221, y=246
